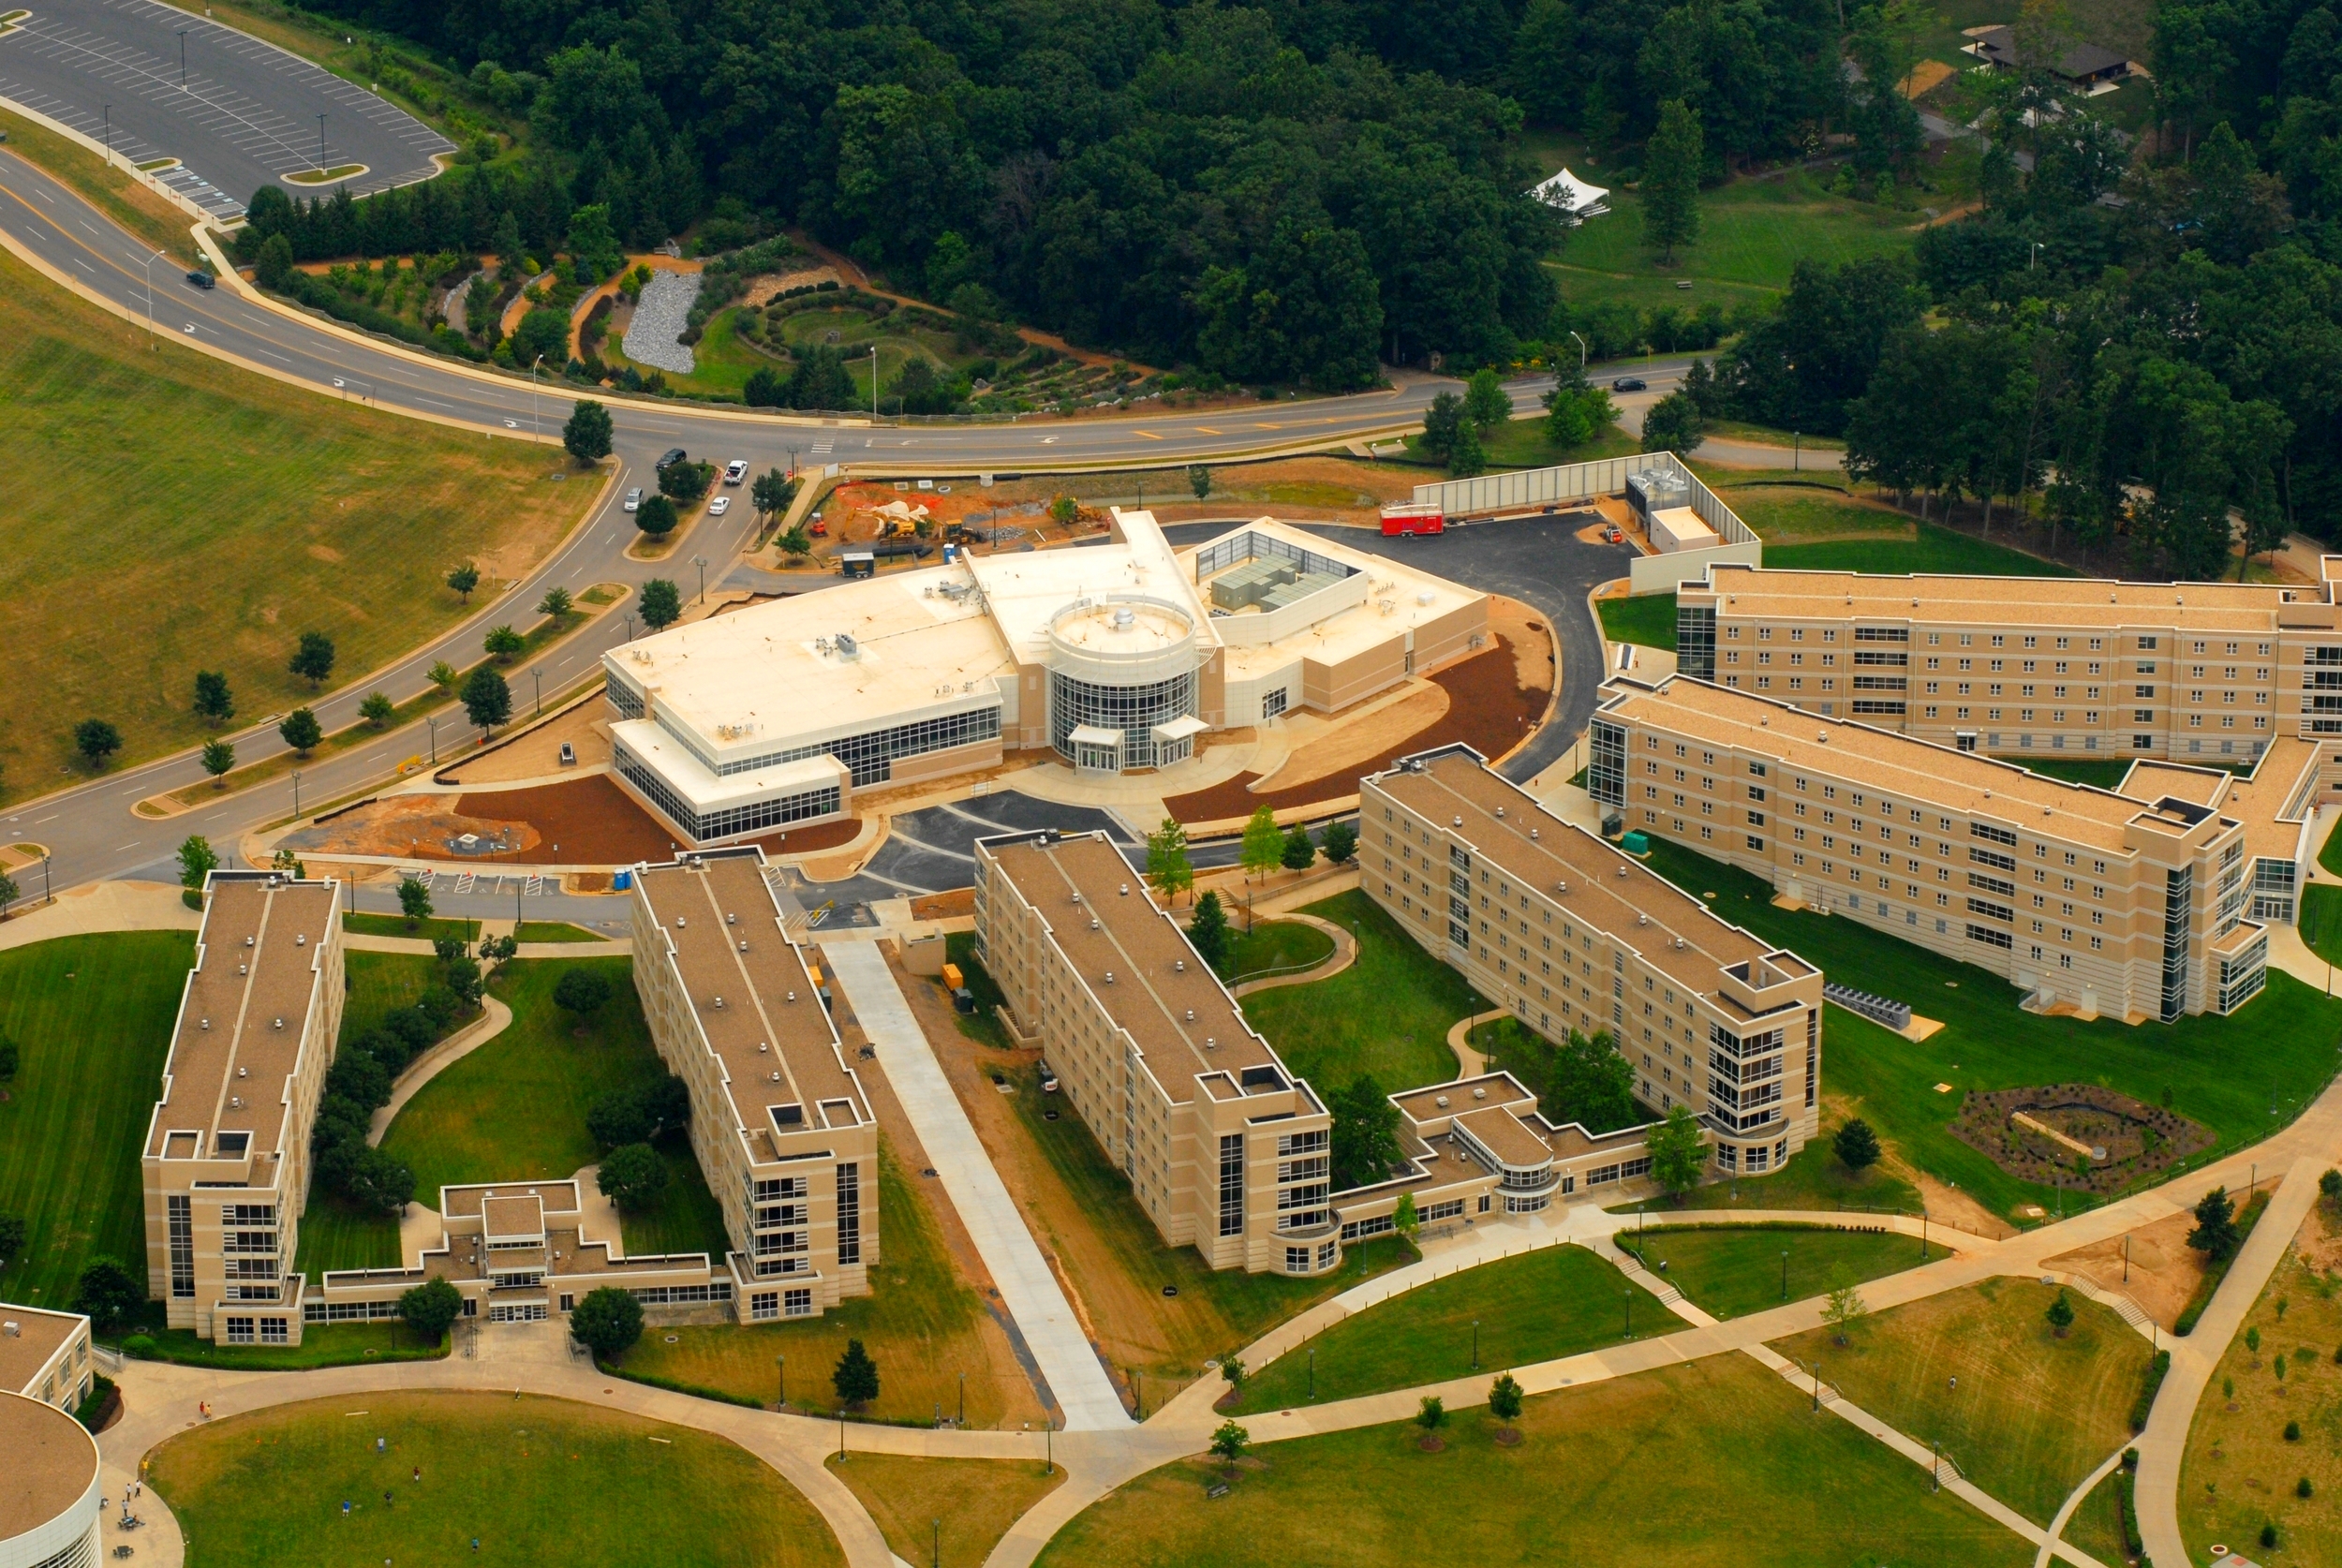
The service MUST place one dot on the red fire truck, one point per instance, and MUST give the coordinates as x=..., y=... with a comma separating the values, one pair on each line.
x=1413, y=517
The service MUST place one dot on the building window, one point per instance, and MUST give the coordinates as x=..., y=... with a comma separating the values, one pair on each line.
x=849, y=1214
x=273, y=1332
x=1296, y=1260
x=1232, y=1184
x=764, y=1306
x=182, y=1211
x=239, y=1331
x=796, y=1304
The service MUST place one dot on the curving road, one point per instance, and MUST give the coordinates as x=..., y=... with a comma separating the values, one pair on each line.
x=91, y=831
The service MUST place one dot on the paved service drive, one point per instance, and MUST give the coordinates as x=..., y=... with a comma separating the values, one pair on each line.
x=1028, y=1288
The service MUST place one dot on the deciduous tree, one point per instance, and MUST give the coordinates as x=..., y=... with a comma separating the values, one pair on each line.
x=219, y=760
x=377, y=709
x=1229, y=1441
x=656, y=516
x=661, y=604
x=313, y=659
x=212, y=698
x=1168, y=871
x=431, y=1308
x=1841, y=1310
x=607, y=1321
x=107, y=1295
x=96, y=740
x=487, y=701
x=1340, y=841
x=1679, y=1152
x=502, y=644
x=301, y=730
x=197, y=861
x=588, y=433
x=1365, y=1134
x=581, y=990
x=1672, y=424
x=415, y=899
x=1670, y=180
x=556, y=604
x=632, y=1176
x=1300, y=850
x=1263, y=846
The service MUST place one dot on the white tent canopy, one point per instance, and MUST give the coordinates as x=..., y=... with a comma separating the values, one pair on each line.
x=1572, y=196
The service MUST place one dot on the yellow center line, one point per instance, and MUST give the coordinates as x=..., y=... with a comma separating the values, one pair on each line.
x=1263, y=424
x=1206, y=430
x=1148, y=433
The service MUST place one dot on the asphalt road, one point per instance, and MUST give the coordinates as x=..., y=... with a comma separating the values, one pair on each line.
x=91, y=829
x=239, y=114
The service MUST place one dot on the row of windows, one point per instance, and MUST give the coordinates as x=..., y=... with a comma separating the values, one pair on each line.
x=777, y=812
x=764, y=1306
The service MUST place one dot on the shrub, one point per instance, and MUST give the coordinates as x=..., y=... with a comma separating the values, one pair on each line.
x=2293, y=1431
x=431, y=1308
x=856, y=1377
x=581, y=991
x=2141, y=1407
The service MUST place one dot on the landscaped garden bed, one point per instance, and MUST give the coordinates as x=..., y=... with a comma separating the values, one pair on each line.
x=2032, y=1133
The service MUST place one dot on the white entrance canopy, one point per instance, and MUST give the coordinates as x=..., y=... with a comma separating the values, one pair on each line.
x=1179, y=729
x=1572, y=196
x=1091, y=734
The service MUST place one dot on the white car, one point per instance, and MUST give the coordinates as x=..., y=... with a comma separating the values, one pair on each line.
x=720, y=505
x=634, y=499
x=735, y=470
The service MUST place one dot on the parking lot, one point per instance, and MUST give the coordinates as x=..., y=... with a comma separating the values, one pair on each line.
x=238, y=114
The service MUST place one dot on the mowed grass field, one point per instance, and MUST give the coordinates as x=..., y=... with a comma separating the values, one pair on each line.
x=172, y=513
x=531, y=1480
x=2224, y=1072
x=1730, y=1271
x=1751, y=234
x=946, y=1512
x=1537, y=1306
x=2240, y=1472
x=91, y=1015
x=1387, y=1015
x=463, y=1125
x=2031, y=1415
x=1715, y=1464
x=921, y=1324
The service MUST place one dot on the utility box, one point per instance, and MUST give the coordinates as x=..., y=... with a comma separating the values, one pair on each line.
x=953, y=980
x=858, y=563
x=964, y=999
x=924, y=955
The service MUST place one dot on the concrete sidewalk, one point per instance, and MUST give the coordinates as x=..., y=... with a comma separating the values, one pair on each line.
x=1028, y=1288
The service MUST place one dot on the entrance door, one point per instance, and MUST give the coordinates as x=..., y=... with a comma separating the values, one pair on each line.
x=1097, y=759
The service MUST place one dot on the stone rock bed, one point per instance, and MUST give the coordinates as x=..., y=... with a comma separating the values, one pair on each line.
x=1985, y=1124
x=659, y=319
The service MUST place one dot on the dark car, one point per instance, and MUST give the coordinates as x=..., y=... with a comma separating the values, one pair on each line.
x=201, y=278
x=1630, y=383
x=672, y=456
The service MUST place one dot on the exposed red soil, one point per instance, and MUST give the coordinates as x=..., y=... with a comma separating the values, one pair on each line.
x=1488, y=709
x=591, y=822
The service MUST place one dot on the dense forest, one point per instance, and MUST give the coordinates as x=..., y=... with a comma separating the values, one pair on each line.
x=2133, y=332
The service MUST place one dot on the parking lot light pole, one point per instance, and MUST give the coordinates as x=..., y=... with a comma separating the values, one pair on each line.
x=183, y=59
x=1784, y=1274
x=320, y=143
x=109, y=112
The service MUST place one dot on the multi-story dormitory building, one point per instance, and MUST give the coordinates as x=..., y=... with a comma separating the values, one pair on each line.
x=2188, y=671
x=1569, y=933
x=1228, y=1151
x=779, y=1120
x=225, y=1166
x=2087, y=898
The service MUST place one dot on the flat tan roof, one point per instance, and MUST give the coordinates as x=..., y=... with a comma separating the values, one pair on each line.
x=1506, y=1135
x=39, y=1333
x=248, y=1052
x=1496, y=1088
x=1897, y=766
x=2260, y=799
x=2046, y=601
x=1152, y=996
x=729, y=946
x=466, y=1202
x=1456, y=785
x=52, y=1463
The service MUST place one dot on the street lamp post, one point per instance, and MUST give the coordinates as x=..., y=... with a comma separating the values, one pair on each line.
x=183, y=59
x=534, y=427
x=1784, y=1274
x=701, y=562
x=782, y=1362
x=538, y=671
x=434, y=721
x=1817, y=1384
x=1312, y=1371
x=1628, y=1296
x=320, y=143
x=1475, y=1344
x=630, y=626
x=963, y=1400
x=1582, y=354
x=874, y=384
x=296, y=777
x=109, y=112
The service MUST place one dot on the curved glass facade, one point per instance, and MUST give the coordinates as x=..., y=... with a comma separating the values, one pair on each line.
x=1134, y=710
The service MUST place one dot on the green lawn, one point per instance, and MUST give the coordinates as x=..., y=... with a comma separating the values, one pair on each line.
x=1814, y=1178
x=2031, y=1415
x=366, y=925
x=381, y=983
x=2320, y=922
x=260, y=511
x=340, y=1344
x=1387, y=1015
x=1730, y=1271
x=1537, y=1306
x=982, y=1026
x=91, y=1015
x=920, y=1323
x=1715, y=1464
x=1278, y=946
x=2224, y=1072
x=1752, y=233
x=1648, y=619
x=2330, y=852
x=338, y=1234
x=532, y=1480
x=461, y=1126
x=556, y=931
x=1935, y=550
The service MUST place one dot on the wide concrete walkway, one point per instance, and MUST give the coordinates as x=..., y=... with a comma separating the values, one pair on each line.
x=1028, y=1288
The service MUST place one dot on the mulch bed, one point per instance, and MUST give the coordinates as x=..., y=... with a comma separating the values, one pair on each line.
x=591, y=822
x=2156, y=1140
x=944, y=906
x=1488, y=709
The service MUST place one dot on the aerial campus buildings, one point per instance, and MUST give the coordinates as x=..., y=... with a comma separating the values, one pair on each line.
x=780, y=1123
x=1113, y=658
x=1227, y=1149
